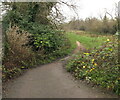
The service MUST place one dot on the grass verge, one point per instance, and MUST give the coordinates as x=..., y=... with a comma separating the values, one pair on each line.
x=89, y=41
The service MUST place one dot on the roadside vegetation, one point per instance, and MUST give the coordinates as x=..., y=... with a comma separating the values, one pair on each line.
x=99, y=66
x=30, y=38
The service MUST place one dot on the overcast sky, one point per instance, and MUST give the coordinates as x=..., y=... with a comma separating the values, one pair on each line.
x=89, y=8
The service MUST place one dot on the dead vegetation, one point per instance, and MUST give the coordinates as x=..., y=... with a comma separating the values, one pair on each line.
x=18, y=53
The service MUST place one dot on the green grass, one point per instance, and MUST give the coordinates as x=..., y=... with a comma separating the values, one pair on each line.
x=88, y=41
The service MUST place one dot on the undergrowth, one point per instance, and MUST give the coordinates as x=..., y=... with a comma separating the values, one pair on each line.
x=100, y=66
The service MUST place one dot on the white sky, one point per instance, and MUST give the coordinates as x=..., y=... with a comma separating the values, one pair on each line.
x=89, y=8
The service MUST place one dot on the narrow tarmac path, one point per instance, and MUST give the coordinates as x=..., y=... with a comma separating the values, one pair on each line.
x=51, y=81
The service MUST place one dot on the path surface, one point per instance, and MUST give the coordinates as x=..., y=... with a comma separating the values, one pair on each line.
x=51, y=81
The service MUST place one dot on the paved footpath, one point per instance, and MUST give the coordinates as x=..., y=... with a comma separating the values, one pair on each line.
x=51, y=81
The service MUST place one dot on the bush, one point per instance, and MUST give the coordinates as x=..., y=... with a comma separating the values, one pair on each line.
x=17, y=55
x=100, y=66
x=47, y=39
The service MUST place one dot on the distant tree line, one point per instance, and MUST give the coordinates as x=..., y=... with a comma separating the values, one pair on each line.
x=104, y=25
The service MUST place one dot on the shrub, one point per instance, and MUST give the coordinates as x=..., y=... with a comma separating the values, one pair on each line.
x=17, y=54
x=47, y=39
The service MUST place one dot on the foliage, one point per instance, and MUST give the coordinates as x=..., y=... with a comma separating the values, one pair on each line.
x=105, y=25
x=43, y=35
x=48, y=41
x=33, y=11
x=45, y=38
x=30, y=38
x=20, y=57
x=100, y=66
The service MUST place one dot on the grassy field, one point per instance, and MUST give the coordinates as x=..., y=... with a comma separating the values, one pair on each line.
x=88, y=40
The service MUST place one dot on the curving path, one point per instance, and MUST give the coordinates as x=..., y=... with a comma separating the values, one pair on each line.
x=51, y=81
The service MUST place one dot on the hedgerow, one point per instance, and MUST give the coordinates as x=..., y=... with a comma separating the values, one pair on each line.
x=100, y=66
